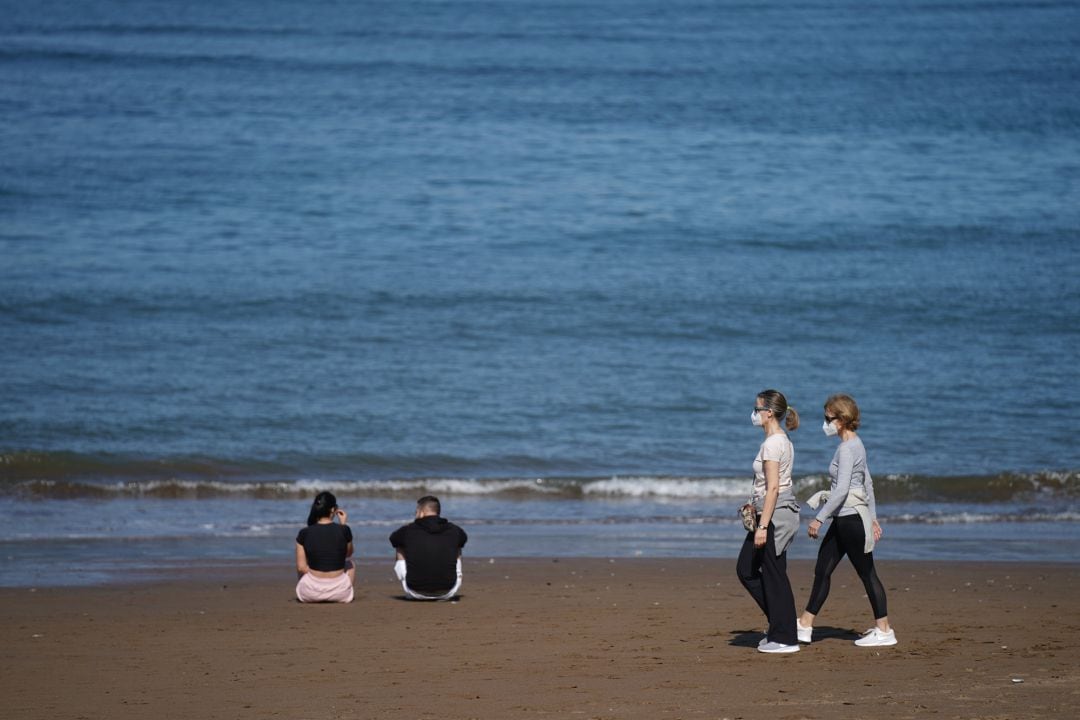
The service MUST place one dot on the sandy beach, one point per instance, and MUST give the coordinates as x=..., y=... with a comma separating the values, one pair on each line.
x=589, y=638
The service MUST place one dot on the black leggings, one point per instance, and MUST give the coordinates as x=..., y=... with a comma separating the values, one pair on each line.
x=764, y=575
x=846, y=536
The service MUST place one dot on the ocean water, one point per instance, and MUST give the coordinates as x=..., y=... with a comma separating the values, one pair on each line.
x=536, y=257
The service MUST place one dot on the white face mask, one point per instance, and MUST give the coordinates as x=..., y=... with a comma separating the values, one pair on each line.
x=829, y=428
x=755, y=418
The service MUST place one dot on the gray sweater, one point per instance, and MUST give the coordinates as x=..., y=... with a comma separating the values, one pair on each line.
x=847, y=471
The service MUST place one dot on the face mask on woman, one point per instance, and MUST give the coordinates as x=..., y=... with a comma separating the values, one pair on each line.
x=755, y=418
x=829, y=428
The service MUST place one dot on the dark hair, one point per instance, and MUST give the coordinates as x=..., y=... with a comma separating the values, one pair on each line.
x=430, y=502
x=775, y=401
x=324, y=504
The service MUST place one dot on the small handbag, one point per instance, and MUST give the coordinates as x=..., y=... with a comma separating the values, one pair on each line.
x=749, y=517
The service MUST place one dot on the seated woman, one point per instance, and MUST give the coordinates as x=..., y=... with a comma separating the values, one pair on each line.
x=323, y=550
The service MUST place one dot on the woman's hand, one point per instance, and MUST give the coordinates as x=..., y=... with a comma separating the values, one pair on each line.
x=342, y=516
x=877, y=531
x=761, y=536
x=813, y=529
x=301, y=561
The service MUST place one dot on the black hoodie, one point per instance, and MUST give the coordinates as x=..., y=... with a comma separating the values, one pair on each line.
x=431, y=546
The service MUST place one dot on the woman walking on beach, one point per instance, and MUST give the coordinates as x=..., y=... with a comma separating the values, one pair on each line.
x=762, y=563
x=323, y=549
x=849, y=501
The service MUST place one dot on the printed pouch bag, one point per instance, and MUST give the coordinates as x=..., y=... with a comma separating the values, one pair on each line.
x=749, y=517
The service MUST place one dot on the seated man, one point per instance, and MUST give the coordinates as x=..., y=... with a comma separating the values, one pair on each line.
x=428, y=559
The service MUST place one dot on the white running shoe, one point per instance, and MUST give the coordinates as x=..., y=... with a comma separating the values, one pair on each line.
x=805, y=634
x=762, y=641
x=876, y=638
x=775, y=647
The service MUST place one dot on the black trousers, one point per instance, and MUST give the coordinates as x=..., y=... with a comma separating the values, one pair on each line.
x=846, y=536
x=764, y=575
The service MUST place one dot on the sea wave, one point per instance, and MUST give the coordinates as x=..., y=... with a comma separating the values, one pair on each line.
x=657, y=489
x=970, y=517
x=114, y=56
x=1003, y=487
x=903, y=526
x=665, y=487
x=60, y=475
x=524, y=488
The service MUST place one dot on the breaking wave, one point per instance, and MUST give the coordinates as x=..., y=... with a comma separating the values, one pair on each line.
x=70, y=475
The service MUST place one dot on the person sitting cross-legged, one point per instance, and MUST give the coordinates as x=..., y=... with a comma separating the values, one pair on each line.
x=428, y=553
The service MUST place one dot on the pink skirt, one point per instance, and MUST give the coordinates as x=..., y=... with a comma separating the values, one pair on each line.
x=312, y=589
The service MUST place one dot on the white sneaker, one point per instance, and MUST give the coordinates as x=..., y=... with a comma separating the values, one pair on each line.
x=763, y=641
x=775, y=647
x=876, y=638
x=805, y=634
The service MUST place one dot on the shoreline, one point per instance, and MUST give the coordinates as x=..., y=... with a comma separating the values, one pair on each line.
x=83, y=561
x=370, y=572
x=563, y=637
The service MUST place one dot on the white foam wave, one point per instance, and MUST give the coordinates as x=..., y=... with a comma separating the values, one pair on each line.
x=670, y=487
x=459, y=486
x=964, y=518
x=654, y=487
x=614, y=487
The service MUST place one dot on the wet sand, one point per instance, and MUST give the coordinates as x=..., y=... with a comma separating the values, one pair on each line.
x=588, y=638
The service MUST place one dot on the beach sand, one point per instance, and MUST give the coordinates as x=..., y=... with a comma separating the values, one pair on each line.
x=588, y=638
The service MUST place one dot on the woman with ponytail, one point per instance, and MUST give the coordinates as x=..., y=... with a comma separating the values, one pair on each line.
x=323, y=549
x=762, y=563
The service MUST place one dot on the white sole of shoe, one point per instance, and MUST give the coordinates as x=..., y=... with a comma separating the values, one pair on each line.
x=779, y=650
x=871, y=638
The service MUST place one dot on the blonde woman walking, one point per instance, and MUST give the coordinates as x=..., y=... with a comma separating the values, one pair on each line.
x=849, y=503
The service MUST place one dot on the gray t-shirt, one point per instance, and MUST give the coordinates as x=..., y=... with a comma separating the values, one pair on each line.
x=848, y=471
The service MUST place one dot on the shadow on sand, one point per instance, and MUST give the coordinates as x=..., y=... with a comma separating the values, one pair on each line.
x=751, y=638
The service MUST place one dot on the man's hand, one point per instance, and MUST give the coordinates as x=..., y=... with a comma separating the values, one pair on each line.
x=813, y=529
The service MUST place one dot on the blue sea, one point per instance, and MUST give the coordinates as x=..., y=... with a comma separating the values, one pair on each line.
x=537, y=258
